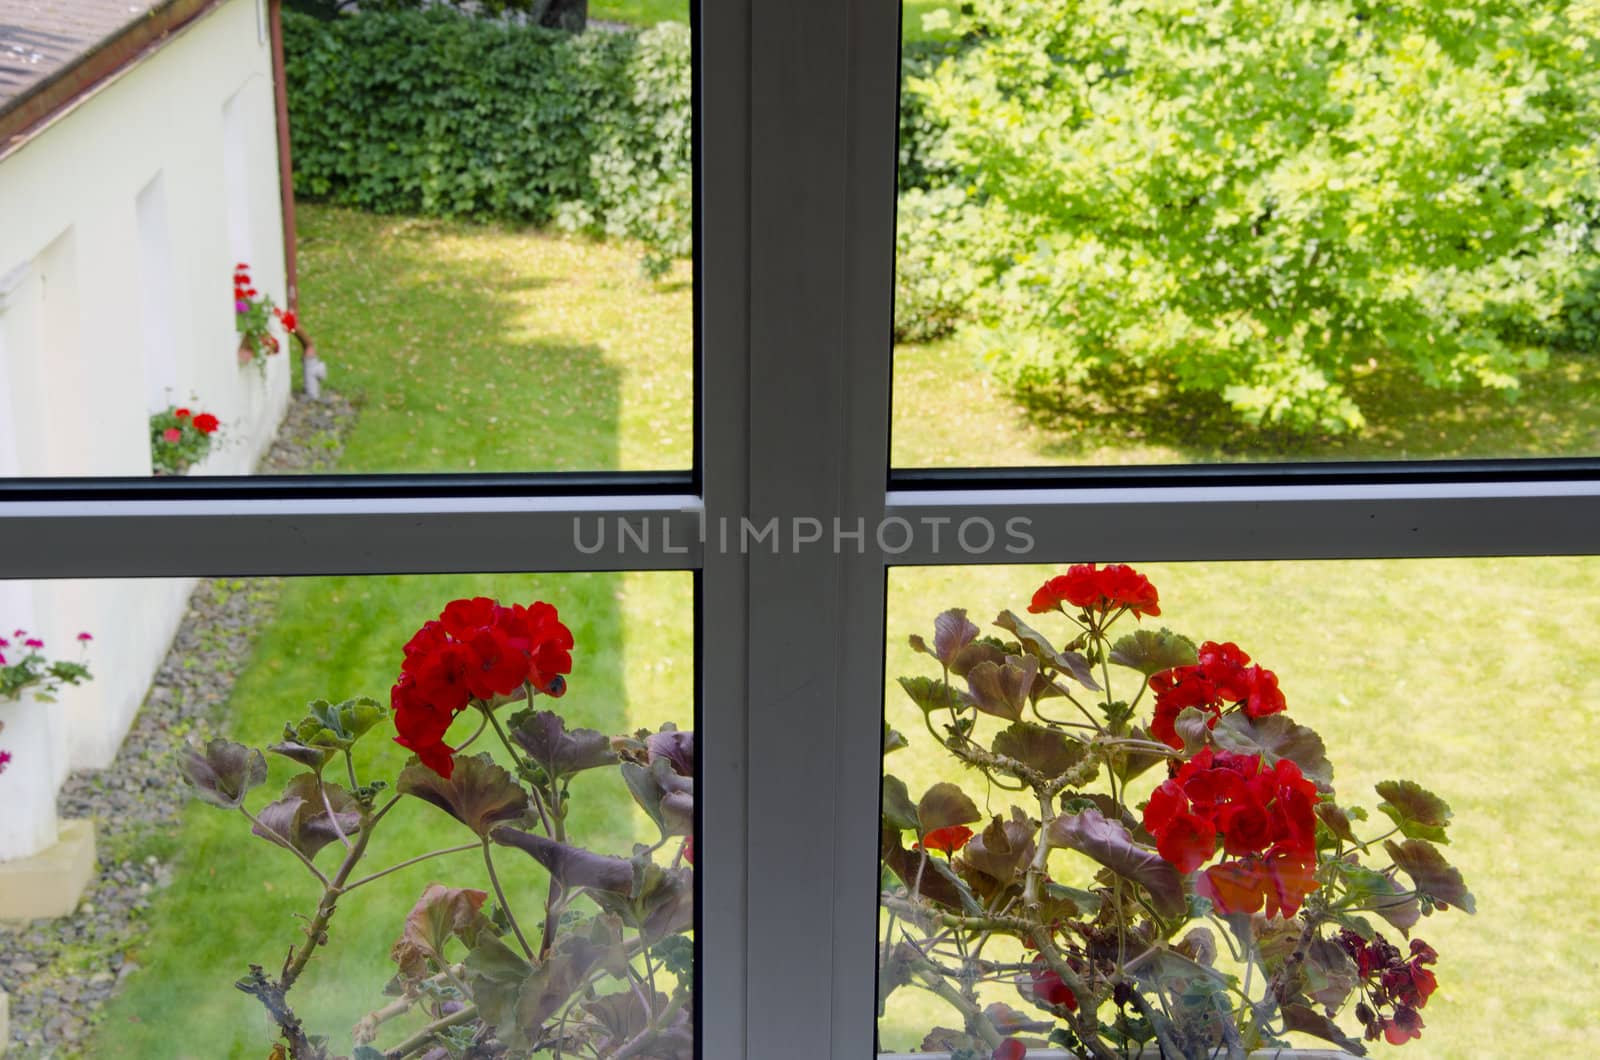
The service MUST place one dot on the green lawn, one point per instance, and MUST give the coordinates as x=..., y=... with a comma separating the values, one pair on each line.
x=640, y=12
x=497, y=348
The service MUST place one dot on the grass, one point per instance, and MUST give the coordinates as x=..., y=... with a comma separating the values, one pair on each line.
x=497, y=348
x=1142, y=421
x=639, y=12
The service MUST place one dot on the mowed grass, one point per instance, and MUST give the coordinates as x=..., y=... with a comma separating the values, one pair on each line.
x=1478, y=678
x=949, y=412
x=486, y=347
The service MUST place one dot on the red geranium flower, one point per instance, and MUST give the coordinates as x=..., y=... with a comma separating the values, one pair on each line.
x=1188, y=841
x=1048, y=987
x=206, y=423
x=476, y=650
x=947, y=840
x=1011, y=1049
x=1221, y=677
x=182, y=414
x=688, y=850
x=1086, y=586
x=172, y=434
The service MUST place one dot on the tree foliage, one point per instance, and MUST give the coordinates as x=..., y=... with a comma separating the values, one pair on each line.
x=1253, y=197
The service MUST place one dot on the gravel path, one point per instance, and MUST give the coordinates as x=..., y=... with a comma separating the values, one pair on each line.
x=59, y=972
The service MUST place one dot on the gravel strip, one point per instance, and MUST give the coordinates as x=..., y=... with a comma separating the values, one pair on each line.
x=59, y=972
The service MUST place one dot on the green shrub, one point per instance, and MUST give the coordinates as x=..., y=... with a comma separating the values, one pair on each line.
x=437, y=113
x=1255, y=197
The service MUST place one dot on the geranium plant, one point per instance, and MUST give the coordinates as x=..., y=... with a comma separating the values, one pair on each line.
x=253, y=313
x=26, y=671
x=603, y=967
x=180, y=438
x=1177, y=872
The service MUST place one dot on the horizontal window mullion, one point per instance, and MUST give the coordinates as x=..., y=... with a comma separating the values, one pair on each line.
x=1258, y=522
x=82, y=539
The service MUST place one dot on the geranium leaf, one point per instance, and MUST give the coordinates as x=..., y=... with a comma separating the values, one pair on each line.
x=1111, y=844
x=311, y=755
x=1001, y=851
x=442, y=913
x=478, y=793
x=543, y=734
x=663, y=794
x=1433, y=875
x=931, y=694
x=1002, y=689
x=657, y=901
x=893, y=739
x=674, y=745
x=570, y=866
x=300, y=819
x=1046, y=751
x=1307, y=1020
x=222, y=773
x=935, y=886
x=1153, y=651
x=1193, y=726
x=1274, y=737
x=943, y=805
x=898, y=809
x=1338, y=821
x=1329, y=972
x=1040, y=647
x=1419, y=813
x=1127, y=764
x=495, y=974
x=984, y=649
x=339, y=725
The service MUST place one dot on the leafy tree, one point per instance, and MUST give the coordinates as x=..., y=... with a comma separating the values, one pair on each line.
x=1254, y=197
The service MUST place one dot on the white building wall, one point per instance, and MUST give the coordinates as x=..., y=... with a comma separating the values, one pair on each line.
x=80, y=366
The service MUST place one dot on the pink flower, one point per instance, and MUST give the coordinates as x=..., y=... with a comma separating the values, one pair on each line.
x=172, y=434
x=34, y=642
x=5, y=756
x=85, y=638
x=241, y=306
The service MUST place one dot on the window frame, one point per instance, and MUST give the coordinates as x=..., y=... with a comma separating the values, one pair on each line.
x=796, y=118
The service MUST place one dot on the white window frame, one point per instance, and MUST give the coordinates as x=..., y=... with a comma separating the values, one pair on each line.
x=797, y=107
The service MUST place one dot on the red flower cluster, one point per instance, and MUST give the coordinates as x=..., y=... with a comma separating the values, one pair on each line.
x=947, y=840
x=1099, y=589
x=476, y=650
x=1222, y=676
x=1011, y=1049
x=1265, y=818
x=287, y=319
x=1390, y=980
x=204, y=422
x=242, y=288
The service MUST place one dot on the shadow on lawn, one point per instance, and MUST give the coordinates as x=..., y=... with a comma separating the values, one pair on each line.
x=1556, y=413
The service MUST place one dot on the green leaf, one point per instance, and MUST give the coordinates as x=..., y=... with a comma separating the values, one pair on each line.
x=1275, y=737
x=544, y=735
x=1418, y=812
x=1338, y=821
x=1046, y=751
x=663, y=793
x=952, y=631
x=931, y=694
x=893, y=739
x=1193, y=727
x=944, y=805
x=1111, y=844
x=1001, y=851
x=898, y=809
x=1152, y=651
x=338, y=726
x=1433, y=875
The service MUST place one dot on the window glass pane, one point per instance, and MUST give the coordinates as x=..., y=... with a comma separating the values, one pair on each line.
x=1134, y=234
x=184, y=899
x=1459, y=675
x=487, y=268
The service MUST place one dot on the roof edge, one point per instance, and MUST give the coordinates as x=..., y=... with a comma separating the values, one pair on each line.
x=57, y=94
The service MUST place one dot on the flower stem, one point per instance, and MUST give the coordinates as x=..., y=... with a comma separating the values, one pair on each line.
x=408, y=863
x=500, y=893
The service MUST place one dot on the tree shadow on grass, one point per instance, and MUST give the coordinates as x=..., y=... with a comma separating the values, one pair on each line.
x=1555, y=413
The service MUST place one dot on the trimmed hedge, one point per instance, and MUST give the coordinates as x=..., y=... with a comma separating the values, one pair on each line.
x=437, y=113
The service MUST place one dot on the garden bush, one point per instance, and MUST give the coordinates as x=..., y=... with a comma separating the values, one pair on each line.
x=437, y=113
x=1255, y=198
